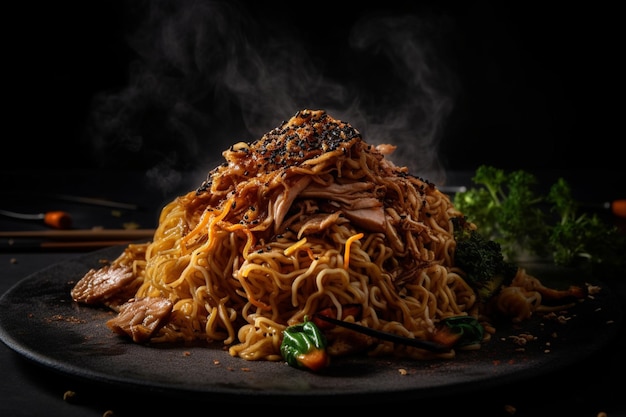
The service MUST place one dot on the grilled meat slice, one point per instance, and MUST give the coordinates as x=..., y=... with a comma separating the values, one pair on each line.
x=99, y=285
x=141, y=318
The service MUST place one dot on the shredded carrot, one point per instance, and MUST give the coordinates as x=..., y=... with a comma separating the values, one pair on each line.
x=346, y=256
x=249, y=243
x=291, y=249
x=204, y=221
x=249, y=237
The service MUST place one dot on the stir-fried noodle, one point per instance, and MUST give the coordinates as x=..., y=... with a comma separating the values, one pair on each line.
x=309, y=217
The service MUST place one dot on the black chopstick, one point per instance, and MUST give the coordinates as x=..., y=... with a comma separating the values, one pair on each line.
x=390, y=337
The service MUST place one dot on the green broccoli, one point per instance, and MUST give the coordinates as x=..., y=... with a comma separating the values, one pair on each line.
x=481, y=259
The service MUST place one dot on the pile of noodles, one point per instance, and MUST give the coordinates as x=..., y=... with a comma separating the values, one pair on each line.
x=308, y=217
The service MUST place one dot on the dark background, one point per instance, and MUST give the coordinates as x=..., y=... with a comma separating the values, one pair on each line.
x=164, y=86
x=170, y=84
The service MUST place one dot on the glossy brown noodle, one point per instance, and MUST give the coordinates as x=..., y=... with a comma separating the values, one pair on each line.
x=305, y=218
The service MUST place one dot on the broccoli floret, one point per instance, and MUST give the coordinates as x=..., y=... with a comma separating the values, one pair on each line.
x=482, y=260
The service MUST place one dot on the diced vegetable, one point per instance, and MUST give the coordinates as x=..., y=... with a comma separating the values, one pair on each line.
x=466, y=330
x=304, y=346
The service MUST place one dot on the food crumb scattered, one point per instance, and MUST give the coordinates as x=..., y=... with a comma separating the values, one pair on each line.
x=186, y=353
x=522, y=338
x=510, y=409
x=216, y=362
x=13, y=260
x=69, y=396
x=402, y=371
x=59, y=317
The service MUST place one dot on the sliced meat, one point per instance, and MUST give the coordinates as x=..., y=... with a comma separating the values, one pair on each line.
x=286, y=198
x=141, y=318
x=360, y=201
x=115, y=283
x=98, y=285
x=372, y=218
x=356, y=194
x=316, y=223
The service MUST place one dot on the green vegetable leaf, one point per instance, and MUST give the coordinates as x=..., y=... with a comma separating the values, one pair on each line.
x=304, y=346
x=467, y=328
x=508, y=209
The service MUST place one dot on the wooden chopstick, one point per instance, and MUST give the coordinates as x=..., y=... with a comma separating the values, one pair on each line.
x=22, y=245
x=37, y=245
x=84, y=244
x=82, y=234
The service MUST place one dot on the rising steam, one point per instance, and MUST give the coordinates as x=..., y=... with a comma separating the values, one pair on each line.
x=208, y=74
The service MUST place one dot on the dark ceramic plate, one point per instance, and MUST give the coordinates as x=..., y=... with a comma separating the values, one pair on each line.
x=39, y=321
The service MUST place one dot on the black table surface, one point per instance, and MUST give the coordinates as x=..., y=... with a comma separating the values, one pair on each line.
x=586, y=388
